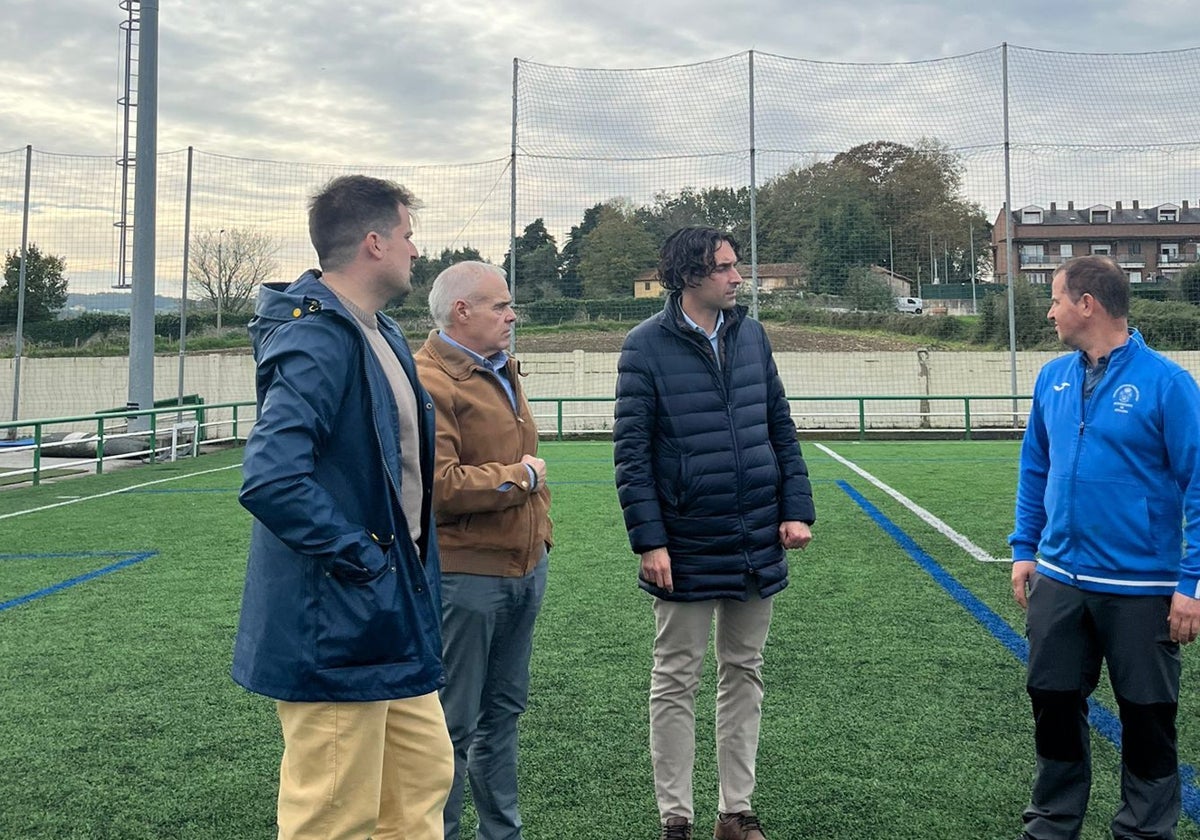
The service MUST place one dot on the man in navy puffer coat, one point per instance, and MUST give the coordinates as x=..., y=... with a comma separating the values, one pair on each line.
x=714, y=489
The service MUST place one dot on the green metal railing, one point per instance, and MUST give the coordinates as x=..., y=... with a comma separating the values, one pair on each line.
x=860, y=401
x=858, y=408
x=38, y=445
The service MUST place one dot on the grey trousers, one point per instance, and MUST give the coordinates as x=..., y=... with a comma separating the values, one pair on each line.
x=1070, y=633
x=680, y=644
x=487, y=637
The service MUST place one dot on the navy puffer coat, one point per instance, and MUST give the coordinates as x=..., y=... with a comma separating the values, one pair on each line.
x=707, y=459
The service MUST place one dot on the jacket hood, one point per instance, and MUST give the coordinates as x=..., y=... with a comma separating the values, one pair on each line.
x=279, y=303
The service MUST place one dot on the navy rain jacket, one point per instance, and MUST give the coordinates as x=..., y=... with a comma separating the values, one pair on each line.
x=339, y=605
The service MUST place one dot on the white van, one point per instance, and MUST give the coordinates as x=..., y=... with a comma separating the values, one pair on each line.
x=909, y=304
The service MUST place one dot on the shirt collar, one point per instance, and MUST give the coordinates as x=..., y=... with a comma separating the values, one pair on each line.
x=495, y=362
x=700, y=329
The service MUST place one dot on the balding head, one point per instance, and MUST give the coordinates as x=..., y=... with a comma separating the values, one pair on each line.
x=460, y=281
x=471, y=304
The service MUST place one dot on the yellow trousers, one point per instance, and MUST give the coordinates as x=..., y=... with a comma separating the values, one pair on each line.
x=356, y=770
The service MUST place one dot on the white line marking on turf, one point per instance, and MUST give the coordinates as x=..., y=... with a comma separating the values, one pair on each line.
x=78, y=499
x=940, y=526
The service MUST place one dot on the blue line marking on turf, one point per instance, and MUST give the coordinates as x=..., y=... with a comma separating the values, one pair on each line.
x=128, y=558
x=1102, y=720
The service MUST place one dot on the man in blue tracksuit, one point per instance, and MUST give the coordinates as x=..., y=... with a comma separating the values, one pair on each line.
x=1110, y=469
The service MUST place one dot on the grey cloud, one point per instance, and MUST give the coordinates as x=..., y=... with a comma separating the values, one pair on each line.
x=431, y=81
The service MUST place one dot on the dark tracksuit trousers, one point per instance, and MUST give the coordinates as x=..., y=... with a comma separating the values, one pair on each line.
x=1070, y=632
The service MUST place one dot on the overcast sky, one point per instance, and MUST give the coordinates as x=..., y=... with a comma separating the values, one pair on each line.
x=381, y=82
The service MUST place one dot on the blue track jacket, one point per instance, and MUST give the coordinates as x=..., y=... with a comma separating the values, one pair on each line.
x=1106, y=483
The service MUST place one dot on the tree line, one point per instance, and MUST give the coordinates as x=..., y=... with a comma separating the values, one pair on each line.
x=882, y=204
x=887, y=204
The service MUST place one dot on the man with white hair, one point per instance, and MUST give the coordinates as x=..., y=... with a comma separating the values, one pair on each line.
x=494, y=532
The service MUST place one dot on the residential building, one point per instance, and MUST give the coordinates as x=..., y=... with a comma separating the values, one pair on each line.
x=1152, y=244
x=772, y=277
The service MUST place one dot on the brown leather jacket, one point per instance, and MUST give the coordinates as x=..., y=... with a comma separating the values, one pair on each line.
x=481, y=529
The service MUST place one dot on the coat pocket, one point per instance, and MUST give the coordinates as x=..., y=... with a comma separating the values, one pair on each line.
x=362, y=622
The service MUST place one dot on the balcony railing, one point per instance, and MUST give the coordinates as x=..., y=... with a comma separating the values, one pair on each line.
x=1040, y=260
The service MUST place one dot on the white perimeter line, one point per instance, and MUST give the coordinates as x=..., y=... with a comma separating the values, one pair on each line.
x=948, y=532
x=116, y=492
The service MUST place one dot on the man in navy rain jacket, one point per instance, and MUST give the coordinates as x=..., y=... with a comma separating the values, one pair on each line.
x=341, y=612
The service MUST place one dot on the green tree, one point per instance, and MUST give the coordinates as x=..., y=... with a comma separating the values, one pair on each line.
x=614, y=254
x=572, y=251
x=45, y=285
x=868, y=291
x=876, y=203
x=724, y=208
x=1029, y=308
x=1189, y=284
x=426, y=269
x=917, y=193
x=823, y=216
x=537, y=263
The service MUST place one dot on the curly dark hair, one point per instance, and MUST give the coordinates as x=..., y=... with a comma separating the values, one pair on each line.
x=1102, y=278
x=686, y=257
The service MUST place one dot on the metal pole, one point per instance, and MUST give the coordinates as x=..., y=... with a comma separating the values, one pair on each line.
x=220, y=274
x=971, y=239
x=127, y=103
x=1008, y=243
x=891, y=254
x=512, y=207
x=932, y=261
x=141, y=319
x=19, y=345
x=753, y=205
x=183, y=292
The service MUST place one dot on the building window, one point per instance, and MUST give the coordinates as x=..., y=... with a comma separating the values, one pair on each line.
x=1168, y=214
x=1169, y=251
x=1135, y=247
x=1037, y=278
x=1033, y=255
x=1031, y=217
x=1099, y=217
x=646, y=287
x=1135, y=277
x=1066, y=249
x=1101, y=250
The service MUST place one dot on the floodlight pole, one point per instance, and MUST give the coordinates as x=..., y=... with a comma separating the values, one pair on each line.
x=141, y=317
